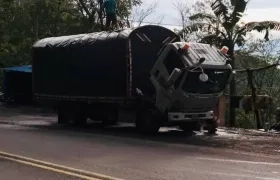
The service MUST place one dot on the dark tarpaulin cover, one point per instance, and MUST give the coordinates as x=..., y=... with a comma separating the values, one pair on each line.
x=81, y=65
x=146, y=42
x=97, y=64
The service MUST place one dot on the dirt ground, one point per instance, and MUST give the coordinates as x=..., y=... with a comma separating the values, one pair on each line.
x=253, y=141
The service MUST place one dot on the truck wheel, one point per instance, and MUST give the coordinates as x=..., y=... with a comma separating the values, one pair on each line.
x=77, y=117
x=190, y=127
x=111, y=118
x=71, y=114
x=211, y=126
x=62, y=116
x=147, y=122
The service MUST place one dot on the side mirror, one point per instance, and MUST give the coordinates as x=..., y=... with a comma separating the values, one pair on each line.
x=174, y=76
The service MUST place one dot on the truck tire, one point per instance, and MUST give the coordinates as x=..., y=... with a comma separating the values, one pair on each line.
x=147, y=122
x=211, y=126
x=111, y=117
x=62, y=116
x=77, y=117
x=71, y=114
x=190, y=127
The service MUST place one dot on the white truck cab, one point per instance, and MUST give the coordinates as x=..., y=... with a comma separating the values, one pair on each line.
x=189, y=78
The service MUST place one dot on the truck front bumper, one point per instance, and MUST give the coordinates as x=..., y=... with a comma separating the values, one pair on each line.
x=178, y=116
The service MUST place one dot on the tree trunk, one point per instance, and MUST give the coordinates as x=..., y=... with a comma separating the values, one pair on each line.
x=37, y=28
x=221, y=110
x=254, y=96
x=55, y=31
x=100, y=15
x=232, y=113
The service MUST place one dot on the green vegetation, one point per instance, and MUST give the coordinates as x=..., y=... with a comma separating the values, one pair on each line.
x=221, y=26
x=22, y=22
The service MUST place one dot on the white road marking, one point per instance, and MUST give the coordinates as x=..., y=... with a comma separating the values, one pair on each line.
x=238, y=161
x=242, y=175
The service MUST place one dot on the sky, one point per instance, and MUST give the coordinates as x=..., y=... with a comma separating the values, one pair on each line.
x=257, y=10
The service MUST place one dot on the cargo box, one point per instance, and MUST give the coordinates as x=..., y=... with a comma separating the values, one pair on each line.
x=101, y=65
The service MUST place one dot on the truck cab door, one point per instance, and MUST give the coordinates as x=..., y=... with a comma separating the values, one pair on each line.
x=166, y=63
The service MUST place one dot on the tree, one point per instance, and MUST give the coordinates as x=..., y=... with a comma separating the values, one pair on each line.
x=22, y=22
x=141, y=13
x=222, y=28
x=262, y=81
x=91, y=9
x=184, y=12
x=6, y=13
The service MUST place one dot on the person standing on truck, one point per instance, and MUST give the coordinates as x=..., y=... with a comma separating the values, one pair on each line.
x=110, y=10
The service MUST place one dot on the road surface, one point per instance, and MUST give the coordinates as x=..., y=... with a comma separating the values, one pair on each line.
x=15, y=171
x=118, y=155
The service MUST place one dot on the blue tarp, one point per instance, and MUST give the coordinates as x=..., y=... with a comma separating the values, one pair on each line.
x=17, y=84
x=26, y=68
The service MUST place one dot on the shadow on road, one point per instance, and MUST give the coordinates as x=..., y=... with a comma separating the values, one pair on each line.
x=26, y=110
x=166, y=135
x=28, y=116
x=44, y=121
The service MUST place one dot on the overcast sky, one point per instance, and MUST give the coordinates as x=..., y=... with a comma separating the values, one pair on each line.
x=257, y=10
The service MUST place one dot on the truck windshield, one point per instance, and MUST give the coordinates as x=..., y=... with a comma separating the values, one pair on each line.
x=217, y=82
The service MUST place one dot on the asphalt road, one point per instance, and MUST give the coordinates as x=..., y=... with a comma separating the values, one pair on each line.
x=15, y=171
x=123, y=156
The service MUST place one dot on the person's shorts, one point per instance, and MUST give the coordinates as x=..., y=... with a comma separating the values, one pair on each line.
x=111, y=18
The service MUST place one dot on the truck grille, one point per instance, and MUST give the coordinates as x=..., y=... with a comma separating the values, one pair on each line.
x=191, y=108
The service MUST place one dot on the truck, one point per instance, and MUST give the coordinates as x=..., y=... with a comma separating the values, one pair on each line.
x=148, y=71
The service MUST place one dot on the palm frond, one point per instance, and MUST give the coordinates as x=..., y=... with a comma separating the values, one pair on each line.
x=240, y=39
x=137, y=2
x=260, y=27
x=239, y=36
x=220, y=10
x=196, y=27
x=202, y=16
x=213, y=39
x=239, y=8
x=202, y=27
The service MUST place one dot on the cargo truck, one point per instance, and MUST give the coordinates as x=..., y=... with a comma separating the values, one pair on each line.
x=148, y=70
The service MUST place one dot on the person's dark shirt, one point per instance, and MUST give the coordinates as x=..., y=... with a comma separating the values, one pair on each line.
x=110, y=6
